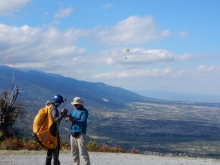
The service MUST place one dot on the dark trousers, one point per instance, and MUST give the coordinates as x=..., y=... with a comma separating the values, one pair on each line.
x=53, y=153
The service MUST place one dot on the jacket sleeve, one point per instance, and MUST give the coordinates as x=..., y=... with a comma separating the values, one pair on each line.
x=55, y=114
x=82, y=119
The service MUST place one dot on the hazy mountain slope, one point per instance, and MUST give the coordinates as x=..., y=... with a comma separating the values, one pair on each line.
x=189, y=97
x=35, y=85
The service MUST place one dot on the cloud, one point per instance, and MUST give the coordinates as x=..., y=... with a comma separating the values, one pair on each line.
x=36, y=47
x=133, y=30
x=166, y=78
x=205, y=68
x=133, y=73
x=106, y=6
x=183, y=34
x=197, y=75
x=138, y=57
x=8, y=6
x=61, y=13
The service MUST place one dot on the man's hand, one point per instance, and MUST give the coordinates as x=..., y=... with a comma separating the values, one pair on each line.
x=68, y=119
x=64, y=112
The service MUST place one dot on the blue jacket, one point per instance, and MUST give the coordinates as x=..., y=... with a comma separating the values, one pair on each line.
x=79, y=123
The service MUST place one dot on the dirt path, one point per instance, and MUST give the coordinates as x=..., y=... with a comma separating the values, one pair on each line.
x=38, y=158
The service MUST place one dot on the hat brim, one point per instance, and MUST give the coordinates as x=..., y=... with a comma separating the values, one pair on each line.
x=74, y=103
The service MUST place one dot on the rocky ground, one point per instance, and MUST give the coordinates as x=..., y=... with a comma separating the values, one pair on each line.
x=98, y=158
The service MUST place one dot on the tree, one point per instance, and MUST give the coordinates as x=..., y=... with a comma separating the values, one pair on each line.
x=8, y=111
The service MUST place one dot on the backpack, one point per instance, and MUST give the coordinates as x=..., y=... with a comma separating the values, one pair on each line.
x=44, y=128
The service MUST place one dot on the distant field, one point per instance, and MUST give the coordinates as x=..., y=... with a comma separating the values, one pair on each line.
x=182, y=128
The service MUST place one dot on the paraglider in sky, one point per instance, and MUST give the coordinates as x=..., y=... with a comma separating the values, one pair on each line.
x=126, y=50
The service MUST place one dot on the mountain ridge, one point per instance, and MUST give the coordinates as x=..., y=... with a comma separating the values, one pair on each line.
x=189, y=97
x=99, y=93
x=94, y=93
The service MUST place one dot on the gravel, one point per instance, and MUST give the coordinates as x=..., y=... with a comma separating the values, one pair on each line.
x=100, y=158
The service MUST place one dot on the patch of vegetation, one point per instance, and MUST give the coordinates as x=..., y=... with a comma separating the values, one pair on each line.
x=29, y=144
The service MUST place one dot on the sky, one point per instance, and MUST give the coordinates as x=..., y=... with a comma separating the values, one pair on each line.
x=173, y=45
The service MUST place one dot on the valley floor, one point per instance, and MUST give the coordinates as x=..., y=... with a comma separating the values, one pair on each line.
x=100, y=158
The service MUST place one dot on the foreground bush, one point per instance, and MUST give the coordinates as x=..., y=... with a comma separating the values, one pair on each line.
x=11, y=144
x=30, y=144
x=134, y=151
x=93, y=146
x=19, y=144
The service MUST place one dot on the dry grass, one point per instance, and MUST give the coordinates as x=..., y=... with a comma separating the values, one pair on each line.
x=106, y=148
x=31, y=145
x=18, y=144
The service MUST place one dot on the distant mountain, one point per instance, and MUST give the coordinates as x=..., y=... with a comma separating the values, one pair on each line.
x=38, y=86
x=189, y=97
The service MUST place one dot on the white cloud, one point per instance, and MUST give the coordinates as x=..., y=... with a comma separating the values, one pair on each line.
x=133, y=73
x=138, y=57
x=180, y=73
x=205, y=68
x=35, y=47
x=106, y=6
x=132, y=30
x=183, y=34
x=8, y=6
x=165, y=33
x=202, y=67
x=61, y=13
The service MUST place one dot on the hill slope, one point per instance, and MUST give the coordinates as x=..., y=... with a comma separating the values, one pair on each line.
x=39, y=86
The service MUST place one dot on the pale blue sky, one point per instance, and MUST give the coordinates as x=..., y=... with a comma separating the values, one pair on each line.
x=174, y=44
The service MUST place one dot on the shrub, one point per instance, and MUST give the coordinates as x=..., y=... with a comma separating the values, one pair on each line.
x=92, y=146
x=2, y=136
x=106, y=148
x=31, y=145
x=134, y=151
x=9, y=112
x=117, y=149
x=11, y=144
x=64, y=146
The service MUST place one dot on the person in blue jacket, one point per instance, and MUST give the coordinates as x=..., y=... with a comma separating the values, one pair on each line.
x=78, y=117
